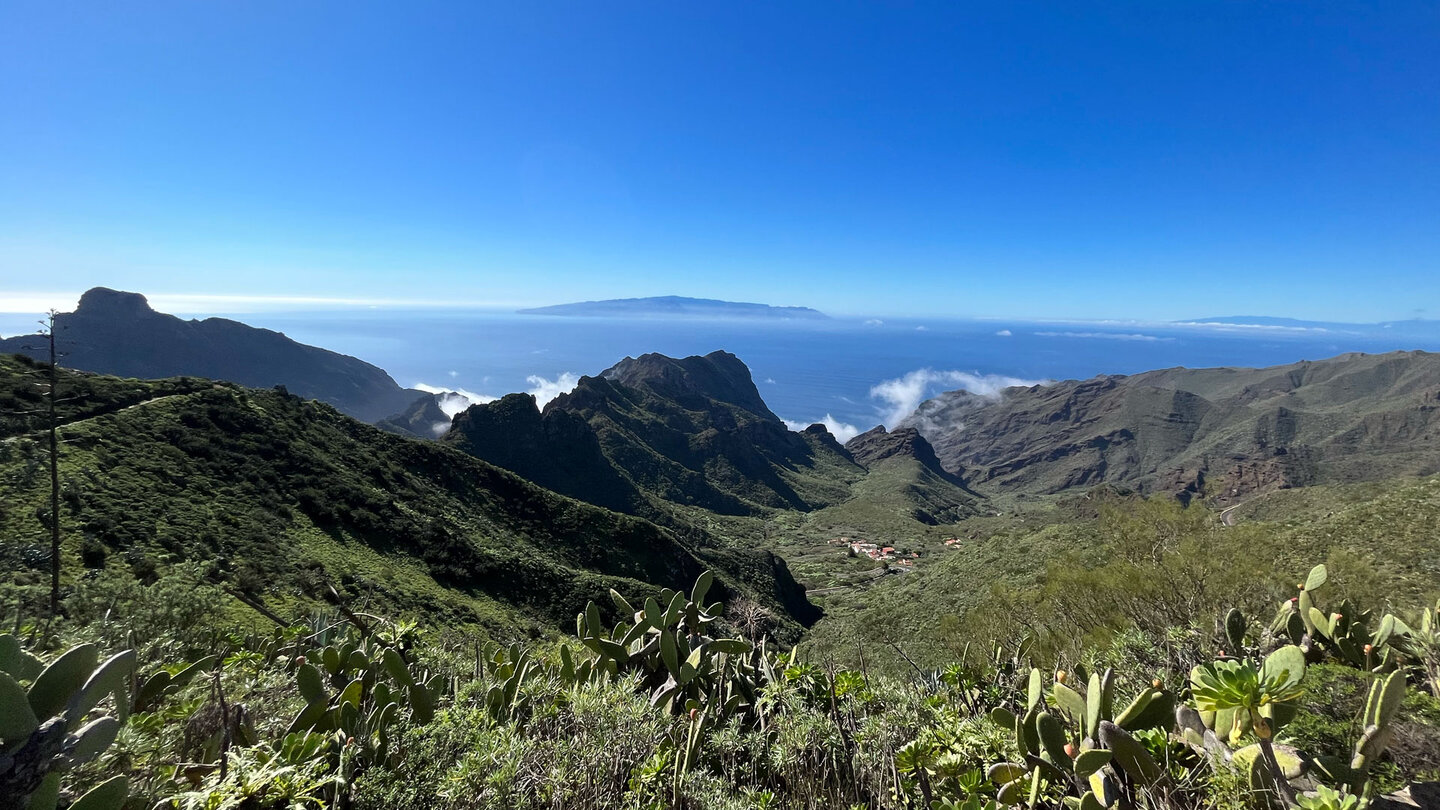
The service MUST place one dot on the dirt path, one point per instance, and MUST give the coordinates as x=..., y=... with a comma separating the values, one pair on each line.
x=40, y=434
x=1227, y=515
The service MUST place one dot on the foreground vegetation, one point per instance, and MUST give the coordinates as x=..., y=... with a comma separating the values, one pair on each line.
x=145, y=692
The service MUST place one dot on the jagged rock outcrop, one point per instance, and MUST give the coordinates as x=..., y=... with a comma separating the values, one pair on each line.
x=877, y=444
x=424, y=419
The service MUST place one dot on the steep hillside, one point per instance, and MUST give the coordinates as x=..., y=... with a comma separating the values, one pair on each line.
x=691, y=431
x=118, y=333
x=904, y=481
x=1234, y=430
x=286, y=495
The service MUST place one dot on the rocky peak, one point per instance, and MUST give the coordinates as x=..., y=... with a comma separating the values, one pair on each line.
x=719, y=376
x=105, y=302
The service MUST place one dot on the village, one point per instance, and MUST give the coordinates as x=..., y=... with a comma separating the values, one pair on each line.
x=883, y=553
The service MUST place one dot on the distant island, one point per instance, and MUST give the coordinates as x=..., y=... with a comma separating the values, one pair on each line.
x=1414, y=327
x=674, y=306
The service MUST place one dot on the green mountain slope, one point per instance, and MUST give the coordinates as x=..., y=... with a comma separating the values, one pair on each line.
x=904, y=483
x=286, y=496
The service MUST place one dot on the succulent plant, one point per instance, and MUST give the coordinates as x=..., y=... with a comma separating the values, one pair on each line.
x=355, y=693
x=1233, y=700
x=1084, y=747
x=1345, y=633
x=53, y=725
x=667, y=642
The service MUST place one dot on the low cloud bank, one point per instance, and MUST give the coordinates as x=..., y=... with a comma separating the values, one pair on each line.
x=545, y=390
x=902, y=395
x=454, y=400
x=842, y=431
x=1103, y=336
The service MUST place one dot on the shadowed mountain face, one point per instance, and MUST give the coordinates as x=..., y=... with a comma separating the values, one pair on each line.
x=424, y=419
x=1350, y=418
x=118, y=333
x=690, y=431
x=556, y=450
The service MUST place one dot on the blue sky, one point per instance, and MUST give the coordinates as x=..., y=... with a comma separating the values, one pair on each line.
x=1077, y=160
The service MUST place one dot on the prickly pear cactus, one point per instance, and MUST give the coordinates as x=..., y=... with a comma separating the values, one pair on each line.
x=1083, y=746
x=1344, y=634
x=355, y=691
x=50, y=722
x=667, y=641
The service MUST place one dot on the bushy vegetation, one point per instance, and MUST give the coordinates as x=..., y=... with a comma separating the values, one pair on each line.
x=672, y=705
x=1105, y=571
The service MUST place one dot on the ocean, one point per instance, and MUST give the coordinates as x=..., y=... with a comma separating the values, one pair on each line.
x=852, y=373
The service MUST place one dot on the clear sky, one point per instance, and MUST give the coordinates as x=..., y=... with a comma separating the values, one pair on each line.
x=1008, y=159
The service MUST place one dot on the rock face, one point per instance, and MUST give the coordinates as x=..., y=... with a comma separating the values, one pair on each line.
x=1232, y=431
x=691, y=431
x=904, y=477
x=117, y=333
x=556, y=450
x=424, y=419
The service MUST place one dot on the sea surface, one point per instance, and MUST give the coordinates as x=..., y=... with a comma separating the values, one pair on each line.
x=852, y=373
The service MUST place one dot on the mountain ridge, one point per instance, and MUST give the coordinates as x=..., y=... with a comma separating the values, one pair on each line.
x=1180, y=430
x=279, y=493
x=118, y=333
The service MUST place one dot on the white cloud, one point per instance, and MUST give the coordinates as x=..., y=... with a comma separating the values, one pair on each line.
x=1251, y=327
x=874, y=322
x=903, y=395
x=922, y=329
x=545, y=390
x=840, y=430
x=770, y=380
x=1102, y=336
x=1003, y=333
x=454, y=400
